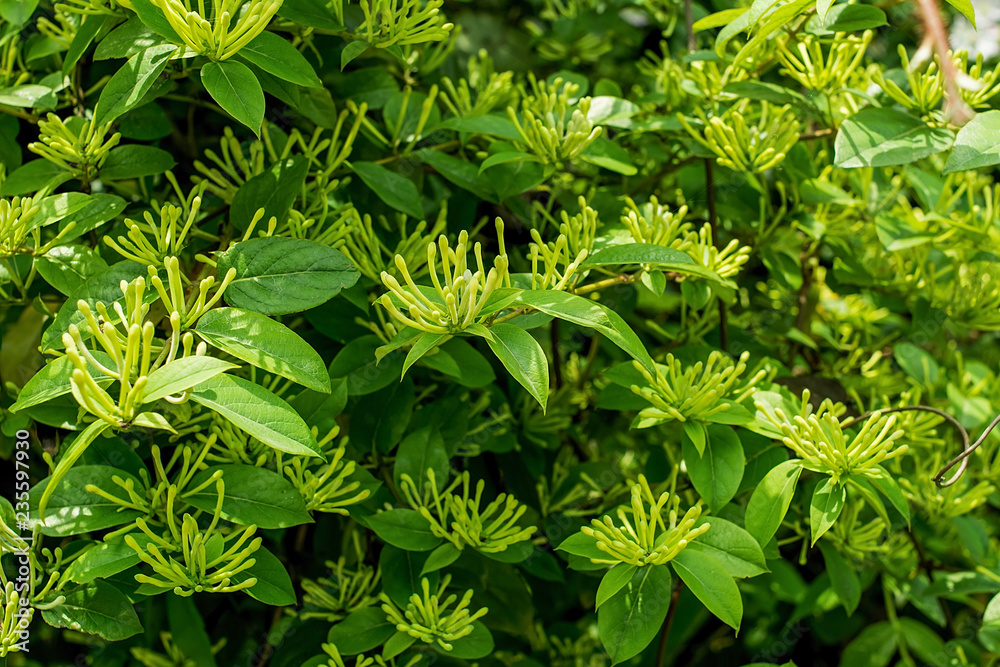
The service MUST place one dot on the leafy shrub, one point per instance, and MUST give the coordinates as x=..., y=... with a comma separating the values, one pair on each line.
x=549, y=332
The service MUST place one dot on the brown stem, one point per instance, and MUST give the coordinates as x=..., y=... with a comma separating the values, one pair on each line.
x=661, y=650
x=934, y=32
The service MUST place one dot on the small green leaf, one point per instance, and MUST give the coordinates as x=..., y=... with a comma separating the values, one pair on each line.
x=977, y=144
x=265, y=343
x=770, y=500
x=126, y=87
x=825, y=507
x=716, y=473
x=421, y=450
x=965, y=6
x=874, y=647
x=97, y=608
x=843, y=578
x=475, y=645
x=404, y=528
x=276, y=275
x=362, y=631
x=351, y=51
x=609, y=155
x=887, y=137
x=523, y=358
x=259, y=412
x=732, y=546
x=237, y=91
x=712, y=584
x=135, y=161
x=69, y=457
x=396, y=191
x=182, y=374
x=582, y=545
x=630, y=620
x=613, y=581
x=274, y=586
x=275, y=55
x=440, y=558
x=252, y=496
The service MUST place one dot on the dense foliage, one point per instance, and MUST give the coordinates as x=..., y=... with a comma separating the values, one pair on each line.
x=546, y=332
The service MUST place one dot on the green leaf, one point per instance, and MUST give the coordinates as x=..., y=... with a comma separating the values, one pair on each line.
x=977, y=144
x=422, y=344
x=135, y=161
x=97, y=608
x=252, y=496
x=523, y=358
x=717, y=472
x=889, y=488
x=665, y=259
x=843, y=578
x=924, y=642
x=275, y=55
x=488, y=124
x=825, y=507
x=396, y=644
x=733, y=547
x=126, y=87
x=274, y=586
x=153, y=17
x=265, y=343
x=396, y=191
x=694, y=435
x=461, y=172
x=276, y=275
x=237, y=91
x=259, y=412
x=712, y=584
x=587, y=313
x=404, y=528
x=358, y=363
x=475, y=645
x=362, y=631
x=105, y=559
x=874, y=647
x=85, y=34
x=420, y=451
x=401, y=573
x=273, y=190
x=768, y=92
x=965, y=6
x=887, y=137
x=609, y=155
x=72, y=510
x=506, y=157
x=440, y=558
x=182, y=374
x=31, y=177
x=613, y=581
x=351, y=51
x=53, y=381
x=917, y=363
x=67, y=267
x=822, y=7
x=187, y=629
x=582, y=545
x=68, y=458
x=17, y=11
x=632, y=618
x=770, y=500
x=312, y=13
x=853, y=18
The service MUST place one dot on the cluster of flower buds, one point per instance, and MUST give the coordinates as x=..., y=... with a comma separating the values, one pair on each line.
x=427, y=617
x=184, y=312
x=15, y=620
x=818, y=438
x=365, y=248
x=667, y=74
x=726, y=263
x=551, y=128
x=151, y=243
x=130, y=350
x=221, y=32
x=77, y=145
x=461, y=518
x=748, y=148
x=821, y=72
x=697, y=393
x=335, y=660
x=559, y=266
x=451, y=306
x=205, y=562
x=326, y=488
x=344, y=591
x=655, y=223
x=402, y=22
x=647, y=539
x=231, y=167
x=16, y=223
x=491, y=88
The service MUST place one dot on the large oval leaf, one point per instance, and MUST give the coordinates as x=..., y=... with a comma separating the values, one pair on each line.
x=632, y=617
x=252, y=496
x=258, y=412
x=276, y=276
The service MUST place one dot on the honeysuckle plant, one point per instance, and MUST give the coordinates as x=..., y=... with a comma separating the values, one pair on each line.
x=554, y=332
